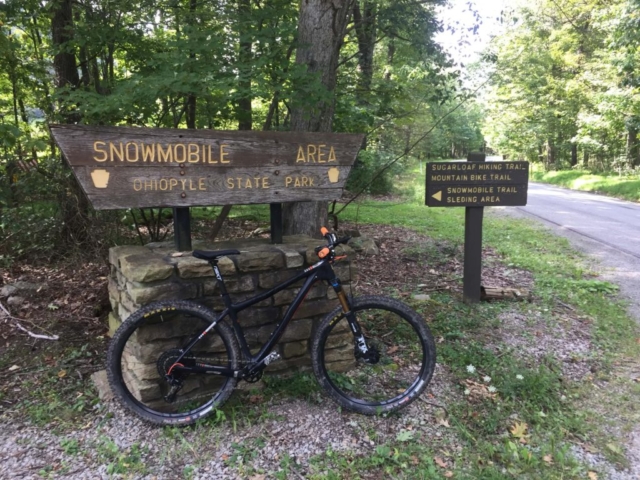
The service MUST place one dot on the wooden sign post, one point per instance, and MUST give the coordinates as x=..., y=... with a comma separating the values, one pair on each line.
x=475, y=184
x=123, y=167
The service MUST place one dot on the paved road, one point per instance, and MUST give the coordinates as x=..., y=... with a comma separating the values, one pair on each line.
x=608, y=230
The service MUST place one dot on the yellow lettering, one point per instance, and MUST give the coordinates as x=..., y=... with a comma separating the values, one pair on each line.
x=311, y=180
x=183, y=181
x=321, y=154
x=184, y=153
x=332, y=155
x=201, y=180
x=230, y=183
x=223, y=153
x=127, y=150
x=137, y=184
x=164, y=184
x=247, y=183
x=191, y=185
x=288, y=180
x=148, y=152
x=311, y=154
x=194, y=153
x=112, y=151
x=297, y=182
x=265, y=182
x=148, y=185
x=300, y=157
x=165, y=155
x=173, y=183
x=95, y=148
x=305, y=182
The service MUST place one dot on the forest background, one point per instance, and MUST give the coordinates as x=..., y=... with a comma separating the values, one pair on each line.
x=558, y=87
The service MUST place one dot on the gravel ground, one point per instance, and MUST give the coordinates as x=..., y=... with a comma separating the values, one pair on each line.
x=290, y=430
x=623, y=270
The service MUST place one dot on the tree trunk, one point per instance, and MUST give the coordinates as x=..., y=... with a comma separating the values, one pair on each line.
x=365, y=26
x=550, y=158
x=321, y=30
x=632, y=147
x=73, y=202
x=574, y=154
x=244, y=113
x=64, y=61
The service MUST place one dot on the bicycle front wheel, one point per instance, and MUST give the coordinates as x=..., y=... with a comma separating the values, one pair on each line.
x=144, y=350
x=398, y=370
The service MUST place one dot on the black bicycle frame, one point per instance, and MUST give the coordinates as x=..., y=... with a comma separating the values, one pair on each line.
x=319, y=271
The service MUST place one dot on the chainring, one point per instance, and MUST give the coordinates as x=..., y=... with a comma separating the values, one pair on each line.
x=167, y=360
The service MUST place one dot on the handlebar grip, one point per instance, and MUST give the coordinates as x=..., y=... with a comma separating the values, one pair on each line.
x=324, y=231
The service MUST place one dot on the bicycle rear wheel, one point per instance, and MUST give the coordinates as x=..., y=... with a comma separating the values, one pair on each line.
x=147, y=345
x=400, y=368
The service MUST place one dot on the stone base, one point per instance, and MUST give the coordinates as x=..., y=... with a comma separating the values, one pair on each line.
x=144, y=274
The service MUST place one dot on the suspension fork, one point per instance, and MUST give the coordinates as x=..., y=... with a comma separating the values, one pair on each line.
x=362, y=348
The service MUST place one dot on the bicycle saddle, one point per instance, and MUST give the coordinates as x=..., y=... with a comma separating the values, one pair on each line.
x=213, y=254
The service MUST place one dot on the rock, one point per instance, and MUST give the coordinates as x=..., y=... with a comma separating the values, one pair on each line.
x=364, y=245
x=252, y=261
x=101, y=383
x=15, y=301
x=421, y=297
x=114, y=323
x=146, y=267
x=7, y=291
x=17, y=287
x=190, y=267
x=115, y=253
x=294, y=349
x=143, y=294
x=292, y=258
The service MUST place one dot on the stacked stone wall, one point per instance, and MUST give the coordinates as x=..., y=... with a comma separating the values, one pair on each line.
x=144, y=274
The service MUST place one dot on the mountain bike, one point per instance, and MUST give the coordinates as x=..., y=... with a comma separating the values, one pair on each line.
x=371, y=354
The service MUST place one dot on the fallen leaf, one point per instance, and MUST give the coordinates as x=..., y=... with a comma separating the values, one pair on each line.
x=548, y=459
x=392, y=350
x=62, y=373
x=177, y=254
x=257, y=477
x=224, y=457
x=13, y=368
x=444, y=422
x=519, y=429
x=415, y=460
x=448, y=474
x=441, y=463
x=592, y=475
x=256, y=398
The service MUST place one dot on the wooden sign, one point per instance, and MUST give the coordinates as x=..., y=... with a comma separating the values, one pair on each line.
x=123, y=167
x=477, y=184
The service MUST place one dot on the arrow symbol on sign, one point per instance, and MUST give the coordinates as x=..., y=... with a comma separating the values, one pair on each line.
x=438, y=196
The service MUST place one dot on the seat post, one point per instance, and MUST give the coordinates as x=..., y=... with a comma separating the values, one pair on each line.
x=220, y=280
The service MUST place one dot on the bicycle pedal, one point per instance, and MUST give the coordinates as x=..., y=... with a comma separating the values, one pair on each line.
x=272, y=357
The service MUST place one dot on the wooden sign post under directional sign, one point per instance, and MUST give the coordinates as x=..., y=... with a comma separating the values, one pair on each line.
x=122, y=167
x=475, y=184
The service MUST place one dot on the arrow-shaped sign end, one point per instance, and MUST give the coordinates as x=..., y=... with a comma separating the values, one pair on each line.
x=438, y=196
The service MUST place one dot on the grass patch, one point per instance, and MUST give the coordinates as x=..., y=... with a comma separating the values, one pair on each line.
x=626, y=187
x=552, y=411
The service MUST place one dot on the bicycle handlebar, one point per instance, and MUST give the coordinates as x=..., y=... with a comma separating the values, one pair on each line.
x=332, y=242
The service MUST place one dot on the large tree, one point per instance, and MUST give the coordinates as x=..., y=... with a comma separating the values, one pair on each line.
x=321, y=30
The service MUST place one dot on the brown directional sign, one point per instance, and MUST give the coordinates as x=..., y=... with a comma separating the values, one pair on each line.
x=477, y=184
x=122, y=167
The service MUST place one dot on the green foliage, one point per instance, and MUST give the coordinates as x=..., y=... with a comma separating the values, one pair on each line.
x=564, y=90
x=367, y=166
x=622, y=186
